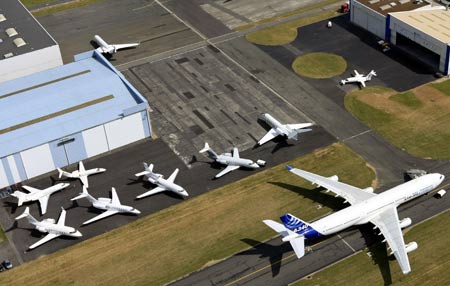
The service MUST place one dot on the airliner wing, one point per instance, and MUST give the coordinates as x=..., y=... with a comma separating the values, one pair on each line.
x=124, y=46
x=363, y=83
x=173, y=176
x=114, y=197
x=351, y=194
x=356, y=72
x=31, y=189
x=269, y=136
x=388, y=223
x=62, y=217
x=151, y=192
x=101, y=216
x=228, y=169
x=235, y=152
x=81, y=168
x=299, y=126
x=84, y=181
x=46, y=238
x=43, y=201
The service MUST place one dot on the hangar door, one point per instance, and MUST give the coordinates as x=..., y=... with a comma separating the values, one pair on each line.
x=124, y=131
x=95, y=141
x=37, y=160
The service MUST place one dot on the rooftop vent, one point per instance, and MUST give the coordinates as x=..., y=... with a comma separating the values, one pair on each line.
x=403, y=1
x=393, y=4
x=19, y=42
x=11, y=32
x=385, y=7
x=8, y=55
x=2, y=18
x=371, y=2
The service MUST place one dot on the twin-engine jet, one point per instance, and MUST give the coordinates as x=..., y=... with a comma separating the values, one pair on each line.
x=81, y=173
x=359, y=78
x=112, y=206
x=233, y=161
x=38, y=195
x=49, y=226
x=379, y=209
x=106, y=48
x=162, y=184
x=290, y=131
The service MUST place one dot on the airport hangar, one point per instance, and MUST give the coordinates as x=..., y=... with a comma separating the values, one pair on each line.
x=25, y=46
x=66, y=114
x=416, y=27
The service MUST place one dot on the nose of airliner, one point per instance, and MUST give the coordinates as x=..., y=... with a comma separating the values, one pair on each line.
x=77, y=234
x=254, y=165
x=135, y=211
x=184, y=193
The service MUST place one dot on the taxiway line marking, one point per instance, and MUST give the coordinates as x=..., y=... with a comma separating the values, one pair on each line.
x=346, y=243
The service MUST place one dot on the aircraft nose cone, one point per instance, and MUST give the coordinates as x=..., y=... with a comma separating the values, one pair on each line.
x=136, y=212
x=184, y=193
x=78, y=234
x=254, y=165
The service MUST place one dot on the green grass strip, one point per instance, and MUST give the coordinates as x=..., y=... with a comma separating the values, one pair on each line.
x=408, y=99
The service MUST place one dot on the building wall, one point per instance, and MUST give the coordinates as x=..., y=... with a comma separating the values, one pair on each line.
x=368, y=19
x=73, y=148
x=25, y=64
x=421, y=38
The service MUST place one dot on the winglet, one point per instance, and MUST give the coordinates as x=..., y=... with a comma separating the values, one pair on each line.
x=289, y=167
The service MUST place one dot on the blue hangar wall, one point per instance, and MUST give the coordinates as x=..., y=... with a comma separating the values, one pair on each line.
x=63, y=115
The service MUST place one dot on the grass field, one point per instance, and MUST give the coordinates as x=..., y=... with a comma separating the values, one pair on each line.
x=178, y=240
x=319, y=65
x=31, y=3
x=309, y=8
x=429, y=263
x=58, y=7
x=417, y=121
x=285, y=33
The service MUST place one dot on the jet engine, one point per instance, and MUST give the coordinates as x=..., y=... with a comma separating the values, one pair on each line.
x=334, y=178
x=405, y=222
x=411, y=246
x=369, y=190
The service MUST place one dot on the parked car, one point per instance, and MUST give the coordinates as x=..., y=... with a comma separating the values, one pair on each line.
x=7, y=264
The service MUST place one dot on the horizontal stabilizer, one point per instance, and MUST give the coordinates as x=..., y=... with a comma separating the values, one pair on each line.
x=298, y=244
x=142, y=173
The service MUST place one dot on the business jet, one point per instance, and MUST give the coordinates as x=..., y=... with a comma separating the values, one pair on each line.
x=162, y=184
x=81, y=173
x=106, y=48
x=112, y=205
x=291, y=131
x=49, y=226
x=366, y=206
x=233, y=161
x=359, y=78
x=38, y=195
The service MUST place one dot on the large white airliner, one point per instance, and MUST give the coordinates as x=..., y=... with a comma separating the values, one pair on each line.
x=233, y=161
x=38, y=195
x=291, y=131
x=366, y=206
x=48, y=225
x=162, y=184
x=81, y=173
x=112, y=206
x=106, y=48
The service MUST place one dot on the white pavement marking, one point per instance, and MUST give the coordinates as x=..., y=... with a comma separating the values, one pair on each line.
x=346, y=243
x=357, y=135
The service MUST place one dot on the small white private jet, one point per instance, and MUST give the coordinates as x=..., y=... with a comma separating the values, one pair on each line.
x=106, y=48
x=359, y=78
x=112, y=205
x=81, y=173
x=233, y=161
x=38, y=195
x=366, y=206
x=48, y=225
x=162, y=184
x=291, y=131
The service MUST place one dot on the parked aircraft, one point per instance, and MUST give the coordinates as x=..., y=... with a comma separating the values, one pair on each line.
x=106, y=48
x=366, y=206
x=291, y=131
x=233, y=161
x=359, y=78
x=162, y=184
x=38, y=195
x=112, y=206
x=81, y=173
x=48, y=225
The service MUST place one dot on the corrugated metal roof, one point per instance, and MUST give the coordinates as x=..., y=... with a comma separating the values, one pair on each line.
x=62, y=101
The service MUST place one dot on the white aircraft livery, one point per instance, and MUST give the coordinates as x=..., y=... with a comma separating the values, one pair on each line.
x=162, y=184
x=291, y=131
x=106, y=48
x=38, y=195
x=233, y=161
x=366, y=206
x=359, y=78
x=112, y=206
x=81, y=173
x=48, y=225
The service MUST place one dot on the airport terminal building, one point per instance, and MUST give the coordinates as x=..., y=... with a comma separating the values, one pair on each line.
x=25, y=46
x=57, y=117
x=416, y=27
